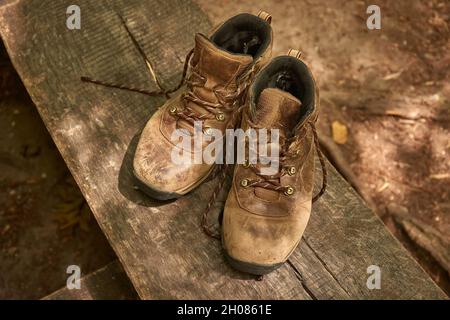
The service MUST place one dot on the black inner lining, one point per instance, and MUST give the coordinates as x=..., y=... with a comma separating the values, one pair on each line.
x=244, y=34
x=291, y=75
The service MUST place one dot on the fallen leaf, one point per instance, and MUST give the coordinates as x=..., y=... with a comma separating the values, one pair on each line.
x=340, y=132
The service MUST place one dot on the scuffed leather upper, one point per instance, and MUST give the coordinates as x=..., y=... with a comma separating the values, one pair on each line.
x=217, y=69
x=264, y=226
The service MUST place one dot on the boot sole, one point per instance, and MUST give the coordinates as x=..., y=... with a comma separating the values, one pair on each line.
x=153, y=192
x=252, y=268
x=163, y=196
x=247, y=267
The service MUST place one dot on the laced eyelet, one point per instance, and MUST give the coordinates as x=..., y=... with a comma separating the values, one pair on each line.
x=173, y=110
x=289, y=191
x=291, y=171
x=220, y=117
x=246, y=163
x=244, y=183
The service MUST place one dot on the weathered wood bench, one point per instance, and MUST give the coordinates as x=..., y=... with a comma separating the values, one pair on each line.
x=160, y=244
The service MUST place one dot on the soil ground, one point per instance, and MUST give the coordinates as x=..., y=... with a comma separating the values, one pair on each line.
x=385, y=92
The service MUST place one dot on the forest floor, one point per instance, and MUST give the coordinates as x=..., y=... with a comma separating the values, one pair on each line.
x=384, y=123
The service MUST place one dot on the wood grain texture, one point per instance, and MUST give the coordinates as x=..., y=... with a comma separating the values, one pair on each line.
x=160, y=244
x=107, y=283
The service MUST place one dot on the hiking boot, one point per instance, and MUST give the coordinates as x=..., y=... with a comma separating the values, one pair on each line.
x=265, y=215
x=222, y=68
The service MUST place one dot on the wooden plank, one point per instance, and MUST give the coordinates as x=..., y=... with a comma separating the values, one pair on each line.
x=343, y=238
x=107, y=283
x=160, y=244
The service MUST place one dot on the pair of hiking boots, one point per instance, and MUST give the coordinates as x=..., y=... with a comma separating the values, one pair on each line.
x=230, y=84
x=264, y=216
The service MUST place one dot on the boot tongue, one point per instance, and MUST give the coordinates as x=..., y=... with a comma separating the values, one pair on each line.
x=276, y=109
x=218, y=65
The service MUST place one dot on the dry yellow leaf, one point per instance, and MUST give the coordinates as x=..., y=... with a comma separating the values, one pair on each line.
x=340, y=132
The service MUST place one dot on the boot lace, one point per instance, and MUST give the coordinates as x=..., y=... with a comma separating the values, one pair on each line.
x=228, y=101
x=271, y=182
x=289, y=150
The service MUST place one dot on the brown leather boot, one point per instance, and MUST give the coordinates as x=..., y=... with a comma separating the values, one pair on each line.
x=221, y=70
x=265, y=216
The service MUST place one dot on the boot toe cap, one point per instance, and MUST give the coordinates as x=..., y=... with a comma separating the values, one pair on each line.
x=255, y=240
x=154, y=169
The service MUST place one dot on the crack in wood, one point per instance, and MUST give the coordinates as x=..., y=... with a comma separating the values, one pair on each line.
x=326, y=267
x=299, y=276
x=147, y=61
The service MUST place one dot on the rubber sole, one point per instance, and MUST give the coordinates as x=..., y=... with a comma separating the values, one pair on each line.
x=154, y=193
x=163, y=196
x=256, y=269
